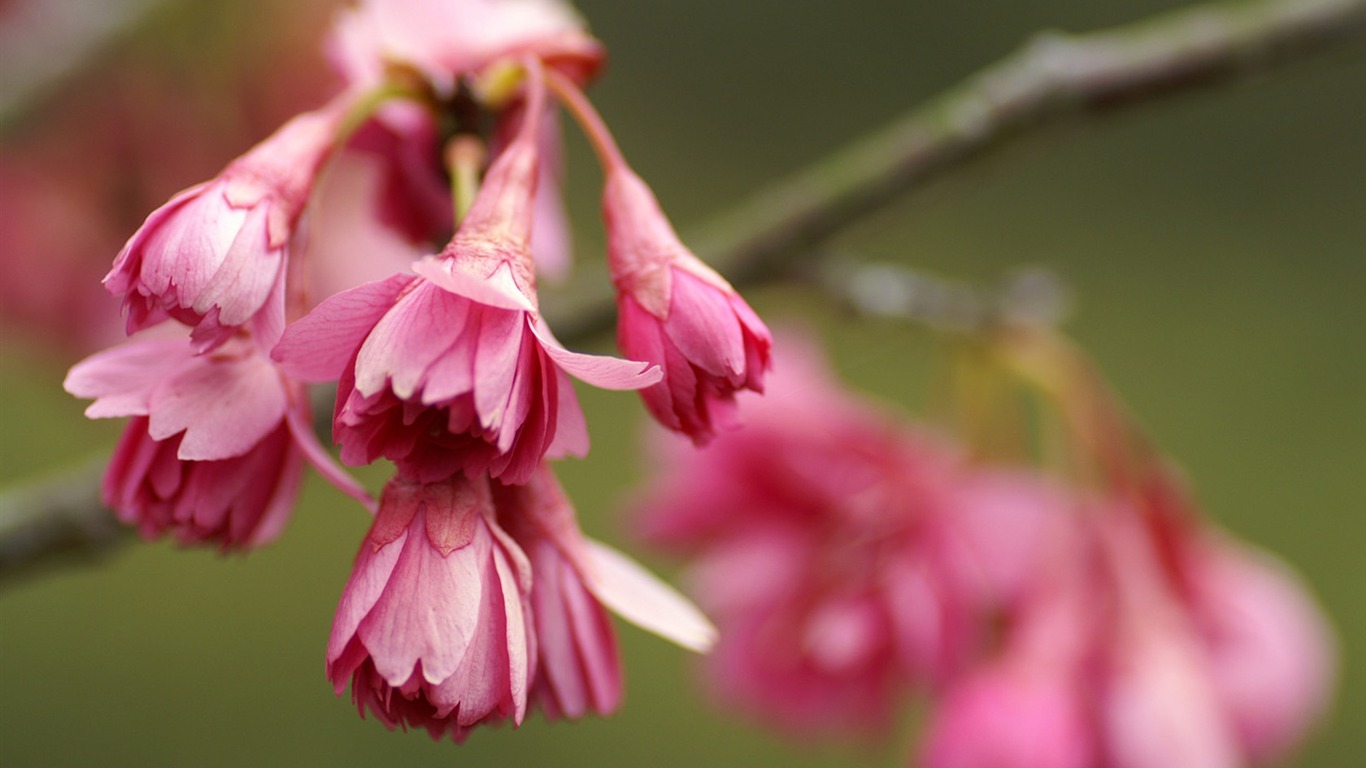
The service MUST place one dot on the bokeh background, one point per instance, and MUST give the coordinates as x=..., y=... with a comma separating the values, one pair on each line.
x=1215, y=244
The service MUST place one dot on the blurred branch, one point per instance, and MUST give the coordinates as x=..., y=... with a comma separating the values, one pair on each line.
x=57, y=518
x=1053, y=79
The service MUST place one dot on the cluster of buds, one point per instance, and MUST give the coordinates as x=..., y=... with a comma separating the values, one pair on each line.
x=1047, y=625
x=316, y=257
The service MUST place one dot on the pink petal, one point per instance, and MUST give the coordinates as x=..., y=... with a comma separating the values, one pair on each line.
x=121, y=379
x=571, y=428
x=497, y=290
x=408, y=339
x=704, y=327
x=224, y=408
x=319, y=346
x=248, y=271
x=638, y=596
x=601, y=371
x=428, y=612
x=495, y=363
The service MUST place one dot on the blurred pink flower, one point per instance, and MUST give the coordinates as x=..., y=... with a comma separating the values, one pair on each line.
x=1270, y=650
x=680, y=314
x=1009, y=716
x=845, y=559
x=433, y=629
x=213, y=256
x=215, y=451
x=454, y=370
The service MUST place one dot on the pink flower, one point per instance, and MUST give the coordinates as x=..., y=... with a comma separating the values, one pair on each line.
x=1271, y=653
x=678, y=313
x=443, y=39
x=454, y=369
x=846, y=561
x=1008, y=717
x=578, y=668
x=213, y=256
x=432, y=629
x=216, y=447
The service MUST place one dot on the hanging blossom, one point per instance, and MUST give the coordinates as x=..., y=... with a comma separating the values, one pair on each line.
x=1142, y=647
x=846, y=560
x=316, y=257
x=1148, y=638
x=453, y=369
x=673, y=310
x=216, y=446
x=214, y=254
x=448, y=621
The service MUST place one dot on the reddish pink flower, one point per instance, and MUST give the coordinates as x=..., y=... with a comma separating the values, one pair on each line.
x=454, y=369
x=213, y=257
x=846, y=561
x=216, y=447
x=576, y=580
x=578, y=668
x=678, y=313
x=433, y=627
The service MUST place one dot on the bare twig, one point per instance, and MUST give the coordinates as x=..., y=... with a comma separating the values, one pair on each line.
x=1053, y=79
x=58, y=518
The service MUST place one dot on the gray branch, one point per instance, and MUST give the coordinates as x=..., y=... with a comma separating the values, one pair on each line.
x=1054, y=79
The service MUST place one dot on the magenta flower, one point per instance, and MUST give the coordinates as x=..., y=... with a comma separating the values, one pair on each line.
x=215, y=451
x=433, y=627
x=454, y=370
x=678, y=313
x=213, y=256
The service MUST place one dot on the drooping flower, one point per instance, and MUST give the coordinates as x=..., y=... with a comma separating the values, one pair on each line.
x=216, y=447
x=845, y=560
x=576, y=580
x=678, y=313
x=433, y=629
x=579, y=667
x=454, y=370
x=213, y=256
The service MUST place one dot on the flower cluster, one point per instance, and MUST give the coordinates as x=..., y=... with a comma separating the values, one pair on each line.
x=1048, y=627
x=315, y=257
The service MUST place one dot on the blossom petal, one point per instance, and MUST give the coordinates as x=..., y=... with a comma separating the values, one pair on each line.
x=602, y=371
x=497, y=290
x=319, y=346
x=640, y=597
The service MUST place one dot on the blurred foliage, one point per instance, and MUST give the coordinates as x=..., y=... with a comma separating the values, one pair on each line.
x=1215, y=244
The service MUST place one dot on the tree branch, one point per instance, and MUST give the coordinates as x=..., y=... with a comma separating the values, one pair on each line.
x=1053, y=79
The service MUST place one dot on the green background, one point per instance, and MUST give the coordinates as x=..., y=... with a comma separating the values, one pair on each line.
x=1214, y=243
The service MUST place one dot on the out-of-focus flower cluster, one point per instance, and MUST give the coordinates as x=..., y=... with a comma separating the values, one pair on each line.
x=854, y=563
x=390, y=242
